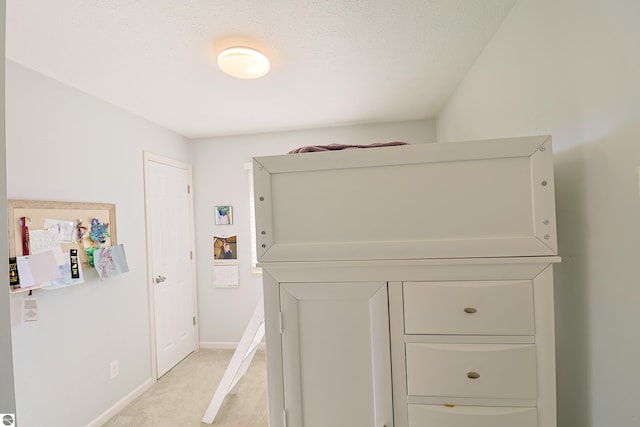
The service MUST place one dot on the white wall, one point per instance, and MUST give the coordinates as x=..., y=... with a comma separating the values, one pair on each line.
x=570, y=68
x=220, y=179
x=65, y=145
x=7, y=398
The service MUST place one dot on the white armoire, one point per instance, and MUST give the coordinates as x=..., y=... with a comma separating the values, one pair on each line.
x=411, y=285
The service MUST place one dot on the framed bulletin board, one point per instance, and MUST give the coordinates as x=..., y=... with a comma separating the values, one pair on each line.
x=74, y=216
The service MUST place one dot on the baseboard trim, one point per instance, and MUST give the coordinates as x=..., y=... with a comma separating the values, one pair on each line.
x=119, y=406
x=219, y=345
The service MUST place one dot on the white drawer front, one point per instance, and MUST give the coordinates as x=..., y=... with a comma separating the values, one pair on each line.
x=472, y=370
x=471, y=416
x=469, y=308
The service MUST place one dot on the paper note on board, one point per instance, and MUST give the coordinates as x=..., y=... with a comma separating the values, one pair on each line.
x=66, y=229
x=24, y=271
x=70, y=272
x=46, y=240
x=110, y=261
x=37, y=269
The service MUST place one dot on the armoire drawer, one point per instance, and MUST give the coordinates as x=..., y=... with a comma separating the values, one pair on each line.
x=471, y=416
x=501, y=371
x=469, y=308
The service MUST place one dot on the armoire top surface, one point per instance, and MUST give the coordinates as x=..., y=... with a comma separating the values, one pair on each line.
x=472, y=199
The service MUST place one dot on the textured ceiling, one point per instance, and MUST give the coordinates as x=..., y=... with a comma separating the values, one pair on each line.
x=333, y=62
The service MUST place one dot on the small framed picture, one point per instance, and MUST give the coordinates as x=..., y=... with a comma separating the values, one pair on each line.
x=224, y=215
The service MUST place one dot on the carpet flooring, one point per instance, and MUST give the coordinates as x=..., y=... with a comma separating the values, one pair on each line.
x=181, y=397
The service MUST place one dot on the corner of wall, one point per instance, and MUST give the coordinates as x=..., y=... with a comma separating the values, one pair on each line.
x=7, y=392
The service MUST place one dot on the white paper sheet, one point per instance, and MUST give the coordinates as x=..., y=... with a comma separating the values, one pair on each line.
x=24, y=272
x=225, y=274
x=37, y=269
x=66, y=229
x=110, y=261
x=65, y=277
x=46, y=240
x=30, y=309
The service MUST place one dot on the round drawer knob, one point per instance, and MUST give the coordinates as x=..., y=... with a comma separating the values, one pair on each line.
x=473, y=375
x=470, y=310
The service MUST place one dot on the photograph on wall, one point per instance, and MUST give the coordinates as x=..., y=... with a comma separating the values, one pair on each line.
x=225, y=261
x=225, y=247
x=224, y=215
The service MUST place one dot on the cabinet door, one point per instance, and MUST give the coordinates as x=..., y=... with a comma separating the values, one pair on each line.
x=336, y=358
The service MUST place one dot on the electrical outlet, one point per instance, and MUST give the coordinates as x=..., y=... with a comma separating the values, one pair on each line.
x=114, y=369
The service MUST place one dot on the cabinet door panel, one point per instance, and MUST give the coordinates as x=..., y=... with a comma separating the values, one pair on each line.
x=336, y=361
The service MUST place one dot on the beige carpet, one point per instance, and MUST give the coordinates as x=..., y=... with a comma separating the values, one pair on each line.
x=181, y=397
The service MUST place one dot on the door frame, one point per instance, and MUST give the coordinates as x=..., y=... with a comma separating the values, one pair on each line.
x=152, y=157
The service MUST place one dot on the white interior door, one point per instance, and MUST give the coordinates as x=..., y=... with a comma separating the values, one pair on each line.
x=170, y=236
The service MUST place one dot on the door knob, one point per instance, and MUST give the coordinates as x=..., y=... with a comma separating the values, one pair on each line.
x=160, y=279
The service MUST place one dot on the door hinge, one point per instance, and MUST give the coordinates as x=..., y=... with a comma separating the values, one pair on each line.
x=284, y=418
x=194, y=320
x=188, y=189
x=191, y=255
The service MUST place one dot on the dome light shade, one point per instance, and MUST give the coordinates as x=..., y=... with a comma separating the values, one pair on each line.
x=243, y=63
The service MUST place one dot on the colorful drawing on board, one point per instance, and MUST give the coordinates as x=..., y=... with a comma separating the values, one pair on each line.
x=89, y=253
x=98, y=232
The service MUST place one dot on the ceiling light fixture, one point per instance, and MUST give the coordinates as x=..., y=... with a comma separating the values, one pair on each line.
x=243, y=63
